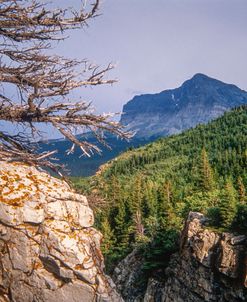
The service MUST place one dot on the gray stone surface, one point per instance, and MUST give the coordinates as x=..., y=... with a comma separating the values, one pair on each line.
x=129, y=277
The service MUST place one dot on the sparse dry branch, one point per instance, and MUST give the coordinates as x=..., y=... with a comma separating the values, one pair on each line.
x=22, y=20
x=44, y=82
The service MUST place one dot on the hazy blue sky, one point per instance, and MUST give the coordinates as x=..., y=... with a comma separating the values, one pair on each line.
x=158, y=44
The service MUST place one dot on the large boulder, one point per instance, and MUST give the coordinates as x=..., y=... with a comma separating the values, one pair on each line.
x=49, y=250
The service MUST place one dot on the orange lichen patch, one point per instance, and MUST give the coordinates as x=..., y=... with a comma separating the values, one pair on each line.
x=7, y=190
x=15, y=201
x=30, y=228
x=20, y=164
x=4, y=177
x=34, y=179
x=38, y=207
x=13, y=192
x=73, y=235
x=37, y=265
x=87, y=259
x=17, y=186
x=79, y=267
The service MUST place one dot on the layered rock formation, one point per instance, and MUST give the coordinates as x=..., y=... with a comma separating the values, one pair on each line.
x=49, y=250
x=211, y=266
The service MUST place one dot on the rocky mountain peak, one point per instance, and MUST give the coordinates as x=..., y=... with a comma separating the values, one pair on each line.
x=201, y=80
x=200, y=77
x=198, y=100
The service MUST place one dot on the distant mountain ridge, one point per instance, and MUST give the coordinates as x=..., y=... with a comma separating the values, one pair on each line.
x=198, y=100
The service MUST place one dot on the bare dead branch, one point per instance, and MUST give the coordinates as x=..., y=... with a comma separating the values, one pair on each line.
x=29, y=20
x=44, y=82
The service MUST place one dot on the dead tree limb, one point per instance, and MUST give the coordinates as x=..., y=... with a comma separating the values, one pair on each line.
x=44, y=82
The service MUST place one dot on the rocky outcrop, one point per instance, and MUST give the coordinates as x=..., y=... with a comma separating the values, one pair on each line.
x=49, y=250
x=210, y=266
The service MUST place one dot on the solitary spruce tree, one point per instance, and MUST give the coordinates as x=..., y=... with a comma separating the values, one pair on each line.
x=206, y=178
x=108, y=240
x=228, y=205
x=241, y=191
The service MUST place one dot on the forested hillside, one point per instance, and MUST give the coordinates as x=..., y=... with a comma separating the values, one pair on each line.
x=150, y=190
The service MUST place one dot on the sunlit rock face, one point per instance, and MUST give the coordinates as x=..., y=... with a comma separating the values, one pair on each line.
x=49, y=250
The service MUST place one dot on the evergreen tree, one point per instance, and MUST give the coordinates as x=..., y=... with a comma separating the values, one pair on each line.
x=137, y=194
x=114, y=191
x=108, y=237
x=206, y=178
x=241, y=191
x=166, y=211
x=136, y=208
x=121, y=227
x=227, y=205
x=149, y=200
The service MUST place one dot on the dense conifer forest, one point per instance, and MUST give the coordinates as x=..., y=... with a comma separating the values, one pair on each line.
x=146, y=193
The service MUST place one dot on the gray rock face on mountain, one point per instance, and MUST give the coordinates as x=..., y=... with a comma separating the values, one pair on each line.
x=198, y=100
x=49, y=251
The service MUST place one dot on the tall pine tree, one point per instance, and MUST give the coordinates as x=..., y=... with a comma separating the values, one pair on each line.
x=108, y=236
x=121, y=227
x=206, y=177
x=228, y=204
x=166, y=213
x=149, y=200
x=241, y=191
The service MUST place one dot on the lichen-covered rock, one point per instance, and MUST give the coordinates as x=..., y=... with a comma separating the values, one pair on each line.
x=49, y=250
